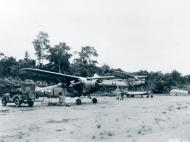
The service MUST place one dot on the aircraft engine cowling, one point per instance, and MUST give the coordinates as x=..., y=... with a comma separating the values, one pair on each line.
x=99, y=86
x=85, y=87
x=89, y=86
x=76, y=88
x=92, y=86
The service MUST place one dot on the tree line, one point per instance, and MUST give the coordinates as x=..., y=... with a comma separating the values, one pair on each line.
x=58, y=58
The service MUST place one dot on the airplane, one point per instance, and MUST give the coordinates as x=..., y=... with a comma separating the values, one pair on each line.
x=77, y=86
x=73, y=86
x=131, y=85
x=123, y=79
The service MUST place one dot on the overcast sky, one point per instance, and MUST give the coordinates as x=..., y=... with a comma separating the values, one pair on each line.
x=152, y=35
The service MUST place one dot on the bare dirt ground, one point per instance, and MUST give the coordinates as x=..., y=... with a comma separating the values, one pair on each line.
x=161, y=119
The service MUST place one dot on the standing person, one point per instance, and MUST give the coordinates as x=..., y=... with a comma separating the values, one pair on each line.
x=117, y=93
x=125, y=91
x=61, y=98
x=122, y=93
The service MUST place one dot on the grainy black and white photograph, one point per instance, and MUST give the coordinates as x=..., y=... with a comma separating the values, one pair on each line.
x=94, y=71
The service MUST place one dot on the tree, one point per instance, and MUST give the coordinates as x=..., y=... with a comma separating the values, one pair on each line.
x=159, y=87
x=104, y=70
x=85, y=65
x=59, y=58
x=176, y=76
x=86, y=55
x=41, y=45
x=8, y=67
x=27, y=62
x=26, y=56
x=1, y=54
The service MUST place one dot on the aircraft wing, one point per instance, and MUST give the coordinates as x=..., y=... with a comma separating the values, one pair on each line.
x=58, y=76
x=123, y=75
x=137, y=92
x=140, y=77
x=101, y=78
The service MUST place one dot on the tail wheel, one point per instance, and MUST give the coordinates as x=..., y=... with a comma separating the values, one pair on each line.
x=94, y=100
x=30, y=103
x=78, y=102
x=17, y=102
x=4, y=101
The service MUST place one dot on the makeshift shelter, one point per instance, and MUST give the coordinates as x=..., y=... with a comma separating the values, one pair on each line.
x=178, y=92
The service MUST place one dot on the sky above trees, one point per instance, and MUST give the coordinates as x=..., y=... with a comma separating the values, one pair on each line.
x=132, y=35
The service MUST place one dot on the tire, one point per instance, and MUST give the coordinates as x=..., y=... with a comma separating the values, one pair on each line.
x=94, y=100
x=17, y=102
x=78, y=102
x=30, y=103
x=4, y=101
x=151, y=96
x=147, y=96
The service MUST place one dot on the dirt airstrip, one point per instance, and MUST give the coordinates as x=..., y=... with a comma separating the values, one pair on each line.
x=161, y=119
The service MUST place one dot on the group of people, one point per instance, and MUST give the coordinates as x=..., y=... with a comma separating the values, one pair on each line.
x=120, y=92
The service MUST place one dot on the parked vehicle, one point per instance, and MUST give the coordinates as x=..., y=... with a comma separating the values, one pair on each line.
x=25, y=94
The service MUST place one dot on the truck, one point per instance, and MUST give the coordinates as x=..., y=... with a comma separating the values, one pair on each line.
x=23, y=95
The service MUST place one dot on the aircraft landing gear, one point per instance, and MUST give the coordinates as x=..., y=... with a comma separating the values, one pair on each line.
x=94, y=100
x=78, y=102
